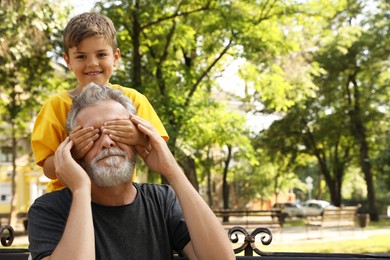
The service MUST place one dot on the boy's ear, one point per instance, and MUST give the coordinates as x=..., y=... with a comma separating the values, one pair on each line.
x=117, y=55
x=66, y=58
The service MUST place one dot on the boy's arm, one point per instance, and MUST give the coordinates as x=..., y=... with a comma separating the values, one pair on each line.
x=208, y=238
x=48, y=168
x=84, y=138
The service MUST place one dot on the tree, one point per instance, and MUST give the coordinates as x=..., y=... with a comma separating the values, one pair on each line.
x=216, y=144
x=344, y=62
x=355, y=66
x=173, y=49
x=308, y=132
x=26, y=35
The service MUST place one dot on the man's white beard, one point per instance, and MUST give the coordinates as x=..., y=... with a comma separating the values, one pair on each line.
x=117, y=169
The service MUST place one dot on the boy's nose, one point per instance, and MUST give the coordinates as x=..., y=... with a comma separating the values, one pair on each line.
x=93, y=61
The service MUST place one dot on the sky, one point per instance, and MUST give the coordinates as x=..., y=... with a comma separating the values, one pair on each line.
x=82, y=6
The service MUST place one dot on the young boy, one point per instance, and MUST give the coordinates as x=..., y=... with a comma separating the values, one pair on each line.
x=91, y=52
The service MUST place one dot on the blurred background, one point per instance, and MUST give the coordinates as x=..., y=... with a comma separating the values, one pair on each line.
x=265, y=102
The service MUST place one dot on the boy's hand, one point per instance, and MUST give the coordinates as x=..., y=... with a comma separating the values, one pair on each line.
x=83, y=139
x=124, y=131
x=156, y=155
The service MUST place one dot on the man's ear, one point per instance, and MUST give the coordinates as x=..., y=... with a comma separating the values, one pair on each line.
x=67, y=60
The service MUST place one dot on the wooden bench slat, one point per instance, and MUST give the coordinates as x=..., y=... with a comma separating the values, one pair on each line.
x=334, y=217
x=247, y=218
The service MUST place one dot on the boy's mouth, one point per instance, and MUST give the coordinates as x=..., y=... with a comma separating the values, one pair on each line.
x=93, y=73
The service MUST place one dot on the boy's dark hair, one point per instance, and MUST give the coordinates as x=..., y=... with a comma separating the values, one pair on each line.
x=87, y=25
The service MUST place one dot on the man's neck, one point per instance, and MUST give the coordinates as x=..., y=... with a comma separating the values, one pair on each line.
x=119, y=195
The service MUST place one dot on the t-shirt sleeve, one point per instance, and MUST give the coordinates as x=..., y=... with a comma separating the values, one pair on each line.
x=146, y=111
x=46, y=224
x=49, y=129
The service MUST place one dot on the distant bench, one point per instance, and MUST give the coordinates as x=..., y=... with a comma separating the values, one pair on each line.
x=251, y=218
x=337, y=217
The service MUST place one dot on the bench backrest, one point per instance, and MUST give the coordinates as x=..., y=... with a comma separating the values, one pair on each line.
x=14, y=254
x=340, y=216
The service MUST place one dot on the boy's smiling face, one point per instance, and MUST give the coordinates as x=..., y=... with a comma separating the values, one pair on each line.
x=92, y=60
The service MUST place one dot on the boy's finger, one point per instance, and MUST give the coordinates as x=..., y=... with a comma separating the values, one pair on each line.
x=118, y=121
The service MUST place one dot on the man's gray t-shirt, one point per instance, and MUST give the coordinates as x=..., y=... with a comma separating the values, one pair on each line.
x=149, y=228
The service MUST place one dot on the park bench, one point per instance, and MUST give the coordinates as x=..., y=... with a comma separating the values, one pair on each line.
x=273, y=219
x=248, y=247
x=334, y=217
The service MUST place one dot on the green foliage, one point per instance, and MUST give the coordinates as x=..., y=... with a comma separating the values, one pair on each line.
x=317, y=121
x=184, y=45
x=298, y=59
x=173, y=51
x=313, y=63
x=27, y=37
x=382, y=161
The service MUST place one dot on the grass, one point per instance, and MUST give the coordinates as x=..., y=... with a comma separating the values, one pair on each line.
x=382, y=223
x=378, y=244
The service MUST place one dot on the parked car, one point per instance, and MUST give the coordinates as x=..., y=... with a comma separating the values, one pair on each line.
x=315, y=207
x=290, y=209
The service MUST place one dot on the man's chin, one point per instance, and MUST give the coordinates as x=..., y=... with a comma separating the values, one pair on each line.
x=111, y=181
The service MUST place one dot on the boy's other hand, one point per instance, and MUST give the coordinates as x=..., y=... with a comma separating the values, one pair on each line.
x=124, y=131
x=83, y=139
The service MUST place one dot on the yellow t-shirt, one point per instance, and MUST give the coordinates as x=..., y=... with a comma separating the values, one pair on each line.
x=50, y=130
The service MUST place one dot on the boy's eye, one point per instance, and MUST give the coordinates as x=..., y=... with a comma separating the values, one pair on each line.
x=102, y=55
x=80, y=57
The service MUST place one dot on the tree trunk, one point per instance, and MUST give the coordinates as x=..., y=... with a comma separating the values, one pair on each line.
x=225, y=184
x=209, y=189
x=189, y=168
x=319, y=187
x=365, y=165
x=12, y=213
x=333, y=183
x=137, y=67
x=359, y=132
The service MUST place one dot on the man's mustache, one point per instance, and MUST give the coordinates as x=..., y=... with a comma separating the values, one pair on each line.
x=109, y=152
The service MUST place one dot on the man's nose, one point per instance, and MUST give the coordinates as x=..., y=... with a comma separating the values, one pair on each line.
x=106, y=141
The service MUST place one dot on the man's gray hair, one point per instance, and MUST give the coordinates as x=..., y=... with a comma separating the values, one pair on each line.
x=94, y=94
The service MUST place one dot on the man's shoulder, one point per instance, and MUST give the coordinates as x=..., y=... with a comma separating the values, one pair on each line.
x=63, y=197
x=153, y=186
x=153, y=189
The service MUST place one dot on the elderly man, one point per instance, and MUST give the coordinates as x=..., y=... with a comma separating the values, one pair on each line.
x=102, y=214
